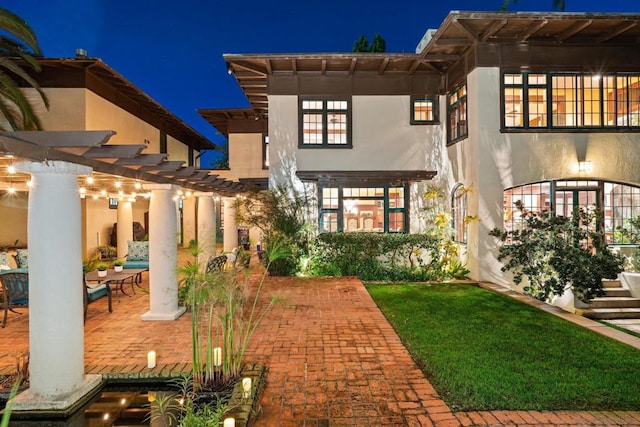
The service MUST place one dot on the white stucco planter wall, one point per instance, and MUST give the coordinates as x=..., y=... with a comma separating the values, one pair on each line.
x=631, y=281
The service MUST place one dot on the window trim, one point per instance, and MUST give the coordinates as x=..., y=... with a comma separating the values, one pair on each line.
x=550, y=127
x=451, y=107
x=324, y=112
x=434, y=106
x=265, y=151
x=385, y=198
x=458, y=216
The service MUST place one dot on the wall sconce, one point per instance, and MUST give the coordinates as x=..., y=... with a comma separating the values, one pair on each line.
x=584, y=166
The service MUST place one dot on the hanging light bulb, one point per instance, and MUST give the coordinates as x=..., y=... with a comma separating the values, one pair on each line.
x=103, y=192
x=11, y=169
x=29, y=183
x=118, y=184
x=90, y=180
x=138, y=186
x=11, y=189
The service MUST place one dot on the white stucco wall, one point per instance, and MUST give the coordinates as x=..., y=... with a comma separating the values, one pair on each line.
x=490, y=161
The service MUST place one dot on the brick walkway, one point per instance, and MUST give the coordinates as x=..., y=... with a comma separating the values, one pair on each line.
x=332, y=358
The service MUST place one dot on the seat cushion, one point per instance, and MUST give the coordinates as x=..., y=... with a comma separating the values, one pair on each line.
x=138, y=250
x=96, y=291
x=136, y=264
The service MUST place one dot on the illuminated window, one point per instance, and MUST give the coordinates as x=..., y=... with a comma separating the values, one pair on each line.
x=459, y=213
x=619, y=203
x=457, y=113
x=324, y=123
x=571, y=100
x=363, y=209
x=424, y=111
x=265, y=152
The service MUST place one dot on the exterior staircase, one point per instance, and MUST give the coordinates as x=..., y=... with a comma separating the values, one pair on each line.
x=616, y=304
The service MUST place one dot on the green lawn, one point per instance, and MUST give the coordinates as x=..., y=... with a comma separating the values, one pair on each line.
x=482, y=350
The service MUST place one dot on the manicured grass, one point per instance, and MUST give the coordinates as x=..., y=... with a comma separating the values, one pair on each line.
x=482, y=350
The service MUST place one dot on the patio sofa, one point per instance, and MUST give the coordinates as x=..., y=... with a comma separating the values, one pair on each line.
x=137, y=254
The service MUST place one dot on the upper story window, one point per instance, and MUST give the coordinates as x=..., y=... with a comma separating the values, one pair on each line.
x=325, y=123
x=424, y=111
x=457, y=111
x=570, y=100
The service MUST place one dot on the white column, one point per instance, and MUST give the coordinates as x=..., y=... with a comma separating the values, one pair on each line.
x=230, y=236
x=125, y=227
x=188, y=221
x=163, y=254
x=56, y=327
x=206, y=226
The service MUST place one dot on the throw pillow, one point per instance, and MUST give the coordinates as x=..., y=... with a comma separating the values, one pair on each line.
x=22, y=258
x=4, y=258
x=138, y=251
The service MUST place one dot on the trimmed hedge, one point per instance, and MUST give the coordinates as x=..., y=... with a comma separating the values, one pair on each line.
x=373, y=257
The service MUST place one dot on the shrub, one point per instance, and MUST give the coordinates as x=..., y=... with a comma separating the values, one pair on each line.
x=558, y=253
x=414, y=257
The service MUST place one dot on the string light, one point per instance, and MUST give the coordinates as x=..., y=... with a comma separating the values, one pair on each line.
x=90, y=180
x=11, y=169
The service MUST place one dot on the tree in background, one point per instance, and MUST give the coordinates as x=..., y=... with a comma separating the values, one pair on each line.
x=362, y=44
x=17, y=40
x=558, y=5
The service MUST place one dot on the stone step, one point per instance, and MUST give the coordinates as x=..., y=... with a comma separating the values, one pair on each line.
x=615, y=302
x=612, y=313
x=606, y=283
x=617, y=292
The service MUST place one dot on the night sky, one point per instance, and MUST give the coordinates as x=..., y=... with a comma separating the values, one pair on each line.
x=173, y=50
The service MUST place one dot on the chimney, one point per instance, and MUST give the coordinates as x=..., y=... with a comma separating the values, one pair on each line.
x=81, y=53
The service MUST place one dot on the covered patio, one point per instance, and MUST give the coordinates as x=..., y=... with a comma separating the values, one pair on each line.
x=50, y=166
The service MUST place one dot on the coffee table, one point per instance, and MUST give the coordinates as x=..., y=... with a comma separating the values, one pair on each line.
x=118, y=278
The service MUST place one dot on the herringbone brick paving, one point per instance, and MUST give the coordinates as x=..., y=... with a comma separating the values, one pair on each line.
x=333, y=360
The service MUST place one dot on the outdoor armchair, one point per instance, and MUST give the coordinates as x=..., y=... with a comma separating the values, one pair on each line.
x=216, y=264
x=15, y=289
x=92, y=292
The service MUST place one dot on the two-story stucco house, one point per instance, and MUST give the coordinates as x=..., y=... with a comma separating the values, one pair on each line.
x=495, y=107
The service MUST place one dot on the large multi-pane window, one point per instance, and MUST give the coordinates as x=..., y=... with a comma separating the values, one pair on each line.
x=459, y=213
x=570, y=100
x=457, y=113
x=424, y=111
x=363, y=209
x=324, y=123
x=618, y=203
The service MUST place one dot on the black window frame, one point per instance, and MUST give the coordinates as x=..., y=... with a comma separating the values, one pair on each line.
x=457, y=114
x=580, y=110
x=434, y=107
x=339, y=211
x=325, y=111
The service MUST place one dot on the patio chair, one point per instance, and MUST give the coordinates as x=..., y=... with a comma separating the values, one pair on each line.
x=216, y=264
x=93, y=292
x=15, y=289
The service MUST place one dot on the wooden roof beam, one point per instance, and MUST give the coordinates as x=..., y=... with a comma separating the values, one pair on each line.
x=467, y=30
x=573, y=30
x=616, y=32
x=532, y=29
x=142, y=160
x=493, y=28
x=114, y=151
x=383, y=66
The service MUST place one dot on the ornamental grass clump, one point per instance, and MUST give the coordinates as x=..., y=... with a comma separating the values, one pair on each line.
x=222, y=319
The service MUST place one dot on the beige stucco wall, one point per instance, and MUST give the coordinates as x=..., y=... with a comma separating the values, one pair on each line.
x=245, y=156
x=13, y=223
x=67, y=108
x=491, y=161
x=176, y=150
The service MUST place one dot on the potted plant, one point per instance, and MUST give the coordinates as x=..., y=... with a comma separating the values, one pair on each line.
x=102, y=269
x=118, y=265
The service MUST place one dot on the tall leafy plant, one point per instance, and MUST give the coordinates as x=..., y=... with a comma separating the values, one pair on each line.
x=221, y=316
x=283, y=216
x=557, y=253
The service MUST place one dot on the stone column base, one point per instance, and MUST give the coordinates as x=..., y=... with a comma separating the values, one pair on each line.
x=173, y=315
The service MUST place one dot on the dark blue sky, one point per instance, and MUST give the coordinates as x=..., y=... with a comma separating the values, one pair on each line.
x=173, y=50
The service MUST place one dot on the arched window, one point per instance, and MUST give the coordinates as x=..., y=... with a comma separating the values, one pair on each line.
x=618, y=203
x=459, y=213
